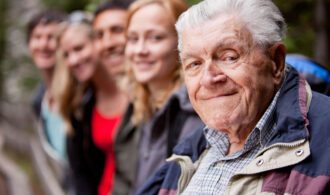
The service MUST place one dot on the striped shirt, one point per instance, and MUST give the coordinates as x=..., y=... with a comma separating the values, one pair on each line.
x=216, y=169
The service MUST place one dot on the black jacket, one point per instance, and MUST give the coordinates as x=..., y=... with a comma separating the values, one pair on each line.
x=86, y=160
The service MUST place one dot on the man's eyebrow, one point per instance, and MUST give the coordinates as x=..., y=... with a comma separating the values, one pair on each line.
x=186, y=56
x=229, y=42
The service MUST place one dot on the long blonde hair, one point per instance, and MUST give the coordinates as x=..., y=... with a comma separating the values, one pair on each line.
x=66, y=89
x=143, y=106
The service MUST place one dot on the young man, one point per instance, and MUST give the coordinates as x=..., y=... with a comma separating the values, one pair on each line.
x=42, y=45
x=109, y=25
x=110, y=21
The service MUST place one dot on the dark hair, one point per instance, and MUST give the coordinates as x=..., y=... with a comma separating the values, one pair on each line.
x=114, y=4
x=44, y=17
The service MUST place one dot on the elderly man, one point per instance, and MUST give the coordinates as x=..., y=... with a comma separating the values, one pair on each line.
x=266, y=132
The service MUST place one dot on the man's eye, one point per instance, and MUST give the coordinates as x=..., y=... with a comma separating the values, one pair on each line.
x=193, y=68
x=36, y=37
x=193, y=65
x=117, y=29
x=98, y=35
x=230, y=58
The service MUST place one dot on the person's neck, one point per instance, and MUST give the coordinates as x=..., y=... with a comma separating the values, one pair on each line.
x=238, y=137
x=160, y=92
x=47, y=76
x=110, y=99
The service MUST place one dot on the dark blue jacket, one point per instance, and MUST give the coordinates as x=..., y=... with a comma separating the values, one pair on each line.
x=295, y=121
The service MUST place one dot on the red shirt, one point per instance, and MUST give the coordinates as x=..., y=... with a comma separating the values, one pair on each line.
x=103, y=134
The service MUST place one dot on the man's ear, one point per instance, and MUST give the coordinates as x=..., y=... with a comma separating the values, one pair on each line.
x=277, y=54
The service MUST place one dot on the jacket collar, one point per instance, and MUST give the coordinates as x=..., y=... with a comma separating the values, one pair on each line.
x=290, y=112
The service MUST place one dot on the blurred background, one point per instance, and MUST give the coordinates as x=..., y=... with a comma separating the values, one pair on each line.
x=22, y=169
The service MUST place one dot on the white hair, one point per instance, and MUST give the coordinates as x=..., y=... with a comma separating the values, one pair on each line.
x=261, y=17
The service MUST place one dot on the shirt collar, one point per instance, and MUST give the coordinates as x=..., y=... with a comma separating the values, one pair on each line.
x=260, y=134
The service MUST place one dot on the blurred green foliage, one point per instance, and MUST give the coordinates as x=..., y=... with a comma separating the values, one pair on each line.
x=192, y=2
x=299, y=15
x=71, y=5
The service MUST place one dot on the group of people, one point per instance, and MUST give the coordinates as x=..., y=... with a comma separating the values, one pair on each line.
x=206, y=88
x=112, y=103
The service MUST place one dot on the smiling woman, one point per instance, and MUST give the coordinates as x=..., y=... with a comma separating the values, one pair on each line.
x=151, y=46
x=77, y=50
x=162, y=112
x=151, y=52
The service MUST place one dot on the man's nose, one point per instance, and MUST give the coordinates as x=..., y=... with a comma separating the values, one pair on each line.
x=43, y=42
x=212, y=74
x=108, y=41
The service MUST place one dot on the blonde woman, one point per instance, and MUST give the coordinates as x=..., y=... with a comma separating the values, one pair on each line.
x=92, y=104
x=162, y=112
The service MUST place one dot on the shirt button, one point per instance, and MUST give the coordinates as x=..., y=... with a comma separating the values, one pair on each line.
x=299, y=152
x=260, y=162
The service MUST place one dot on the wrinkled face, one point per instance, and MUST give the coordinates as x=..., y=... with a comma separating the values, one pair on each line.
x=151, y=46
x=230, y=80
x=42, y=45
x=109, y=27
x=78, y=53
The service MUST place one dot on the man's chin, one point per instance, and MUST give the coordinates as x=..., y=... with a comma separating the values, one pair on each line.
x=113, y=61
x=114, y=69
x=44, y=65
x=220, y=122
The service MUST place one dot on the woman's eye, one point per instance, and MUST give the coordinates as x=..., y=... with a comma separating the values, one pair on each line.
x=78, y=48
x=156, y=37
x=132, y=39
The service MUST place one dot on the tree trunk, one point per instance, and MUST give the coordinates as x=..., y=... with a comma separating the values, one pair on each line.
x=322, y=35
